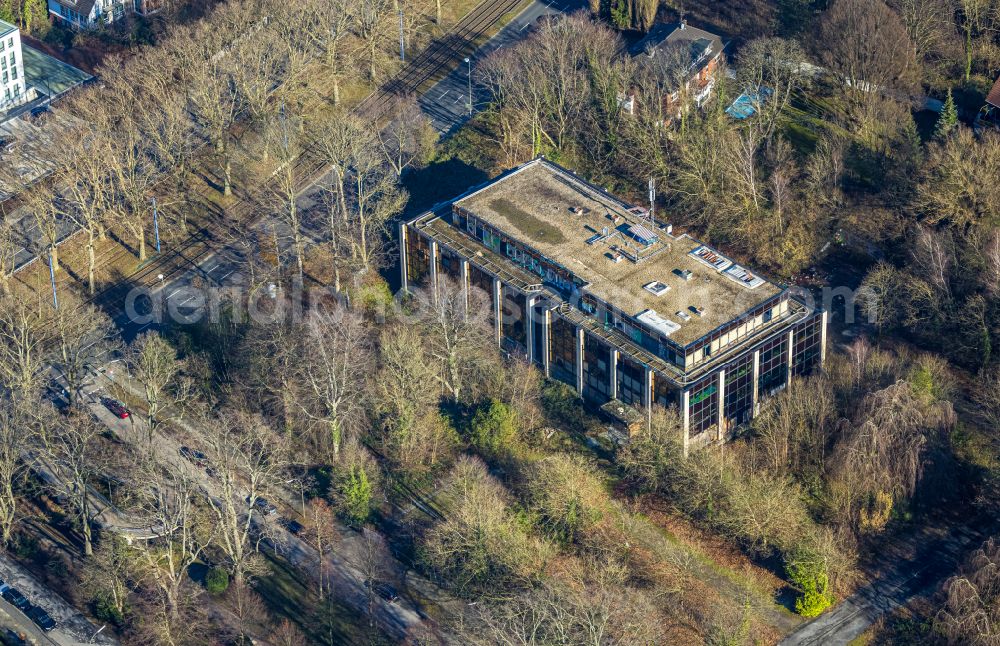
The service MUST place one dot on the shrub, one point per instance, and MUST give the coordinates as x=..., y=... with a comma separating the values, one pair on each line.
x=217, y=581
x=483, y=544
x=807, y=570
x=568, y=494
x=494, y=428
x=105, y=610
x=356, y=495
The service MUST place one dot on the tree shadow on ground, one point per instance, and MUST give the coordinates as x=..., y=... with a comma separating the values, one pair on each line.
x=437, y=182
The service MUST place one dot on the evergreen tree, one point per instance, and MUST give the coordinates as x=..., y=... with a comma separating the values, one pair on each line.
x=948, y=119
x=357, y=496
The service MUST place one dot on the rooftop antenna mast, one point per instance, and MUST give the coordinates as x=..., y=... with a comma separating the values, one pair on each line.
x=652, y=199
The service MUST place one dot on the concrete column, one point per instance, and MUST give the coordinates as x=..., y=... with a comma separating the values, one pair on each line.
x=613, y=374
x=579, y=360
x=463, y=275
x=686, y=432
x=546, y=347
x=647, y=395
x=756, y=382
x=434, y=270
x=497, y=308
x=722, y=426
x=822, y=338
x=791, y=350
x=402, y=256
x=529, y=327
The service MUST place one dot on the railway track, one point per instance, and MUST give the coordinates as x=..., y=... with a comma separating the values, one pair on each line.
x=438, y=59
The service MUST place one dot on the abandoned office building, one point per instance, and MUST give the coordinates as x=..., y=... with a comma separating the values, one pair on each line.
x=609, y=301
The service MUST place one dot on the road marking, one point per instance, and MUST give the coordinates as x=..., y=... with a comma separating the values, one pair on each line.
x=171, y=294
x=525, y=26
x=444, y=94
x=186, y=300
x=143, y=327
x=227, y=275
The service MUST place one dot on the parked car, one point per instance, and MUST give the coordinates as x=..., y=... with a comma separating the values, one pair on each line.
x=193, y=455
x=385, y=591
x=41, y=618
x=115, y=407
x=15, y=598
x=263, y=506
x=11, y=638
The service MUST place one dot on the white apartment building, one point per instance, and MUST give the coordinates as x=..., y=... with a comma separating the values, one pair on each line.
x=13, y=90
x=85, y=14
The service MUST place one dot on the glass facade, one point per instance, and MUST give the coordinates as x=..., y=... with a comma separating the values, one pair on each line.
x=596, y=370
x=664, y=392
x=807, y=346
x=538, y=335
x=479, y=279
x=703, y=405
x=514, y=326
x=739, y=390
x=449, y=264
x=562, y=337
x=773, y=369
x=418, y=259
x=631, y=381
x=735, y=331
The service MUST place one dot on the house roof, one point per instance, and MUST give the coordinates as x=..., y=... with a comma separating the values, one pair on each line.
x=701, y=45
x=82, y=7
x=993, y=98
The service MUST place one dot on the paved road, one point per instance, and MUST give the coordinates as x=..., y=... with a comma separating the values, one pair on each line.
x=73, y=628
x=447, y=102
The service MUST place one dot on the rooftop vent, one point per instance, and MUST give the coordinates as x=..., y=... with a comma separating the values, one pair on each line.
x=699, y=311
x=684, y=316
x=686, y=274
x=743, y=276
x=656, y=288
x=708, y=256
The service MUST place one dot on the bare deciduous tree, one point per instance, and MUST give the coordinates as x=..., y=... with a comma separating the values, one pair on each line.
x=249, y=459
x=153, y=364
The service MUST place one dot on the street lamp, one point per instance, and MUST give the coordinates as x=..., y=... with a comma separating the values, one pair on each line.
x=468, y=62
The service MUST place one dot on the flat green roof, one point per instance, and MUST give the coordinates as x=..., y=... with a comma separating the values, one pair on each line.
x=49, y=74
x=6, y=28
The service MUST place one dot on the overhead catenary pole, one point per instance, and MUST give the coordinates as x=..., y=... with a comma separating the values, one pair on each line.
x=652, y=199
x=468, y=61
x=402, y=50
x=52, y=279
x=156, y=226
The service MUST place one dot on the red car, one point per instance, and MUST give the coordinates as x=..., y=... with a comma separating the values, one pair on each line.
x=115, y=407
